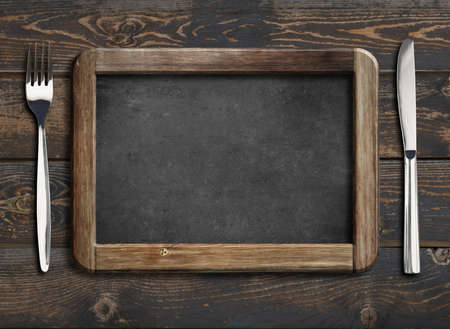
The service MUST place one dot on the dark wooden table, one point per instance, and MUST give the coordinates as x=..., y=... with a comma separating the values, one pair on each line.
x=69, y=297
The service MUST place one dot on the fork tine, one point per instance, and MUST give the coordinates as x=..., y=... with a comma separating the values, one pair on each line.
x=35, y=72
x=28, y=77
x=49, y=63
x=42, y=77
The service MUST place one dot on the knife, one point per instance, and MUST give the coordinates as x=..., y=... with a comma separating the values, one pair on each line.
x=406, y=97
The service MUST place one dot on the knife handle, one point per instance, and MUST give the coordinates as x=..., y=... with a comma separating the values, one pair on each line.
x=43, y=207
x=411, y=250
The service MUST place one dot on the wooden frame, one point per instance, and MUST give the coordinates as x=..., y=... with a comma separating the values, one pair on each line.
x=227, y=257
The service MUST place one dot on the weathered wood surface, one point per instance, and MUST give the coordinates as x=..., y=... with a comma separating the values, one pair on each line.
x=17, y=217
x=18, y=132
x=434, y=202
x=222, y=61
x=70, y=297
x=18, y=129
x=433, y=116
x=365, y=155
x=17, y=204
x=240, y=257
x=74, y=26
x=84, y=159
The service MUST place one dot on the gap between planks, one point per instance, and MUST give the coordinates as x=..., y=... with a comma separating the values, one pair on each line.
x=423, y=244
x=4, y=74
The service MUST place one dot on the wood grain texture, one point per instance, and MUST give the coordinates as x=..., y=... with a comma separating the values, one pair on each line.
x=83, y=170
x=69, y=297
x=18, y=129
x=17, y=220
x=433, y=117
x=217, y=61
x=163, y=6
x=434, y=203
x=380, y=298
x=17, y=203
x=365, y=154
x=378, y=27
x=226, y=257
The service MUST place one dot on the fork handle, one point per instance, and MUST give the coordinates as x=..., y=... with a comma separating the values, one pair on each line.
x=43, y=208
x=411, y=250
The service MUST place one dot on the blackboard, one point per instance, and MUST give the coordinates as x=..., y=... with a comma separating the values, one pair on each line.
x=224, y=159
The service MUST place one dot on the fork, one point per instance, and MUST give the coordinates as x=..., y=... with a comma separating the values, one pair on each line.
x=39, y=94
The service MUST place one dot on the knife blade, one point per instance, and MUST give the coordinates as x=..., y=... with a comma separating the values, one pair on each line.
x=406, y=97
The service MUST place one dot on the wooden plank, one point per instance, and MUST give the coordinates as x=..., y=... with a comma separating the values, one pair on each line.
x=222, y=61
x=67, y=296
x=378, y=33
x=17, y=203
x=83, y=165
x=356, y=4
x=365, y=154
x=18, y=129
x=17, y=220
x=433, y=117
x=226, y=257
x=434, y=202
x=164, y=6
x=378, y=27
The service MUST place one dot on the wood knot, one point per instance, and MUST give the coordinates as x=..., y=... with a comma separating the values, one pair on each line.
x=24, y=203
x=105, y=308
x=446, y=88
x=121, y=30
x=164, y=252
x=440, y=256
x=132, y=30
x=368, y=317
x=21, y=204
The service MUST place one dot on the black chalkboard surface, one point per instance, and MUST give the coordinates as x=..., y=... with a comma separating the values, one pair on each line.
x=224, y=159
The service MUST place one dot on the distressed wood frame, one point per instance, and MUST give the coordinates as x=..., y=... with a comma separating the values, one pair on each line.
x=355, y=257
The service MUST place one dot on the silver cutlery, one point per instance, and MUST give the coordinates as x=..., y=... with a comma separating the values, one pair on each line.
x=406, y=96
x=39, y=94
